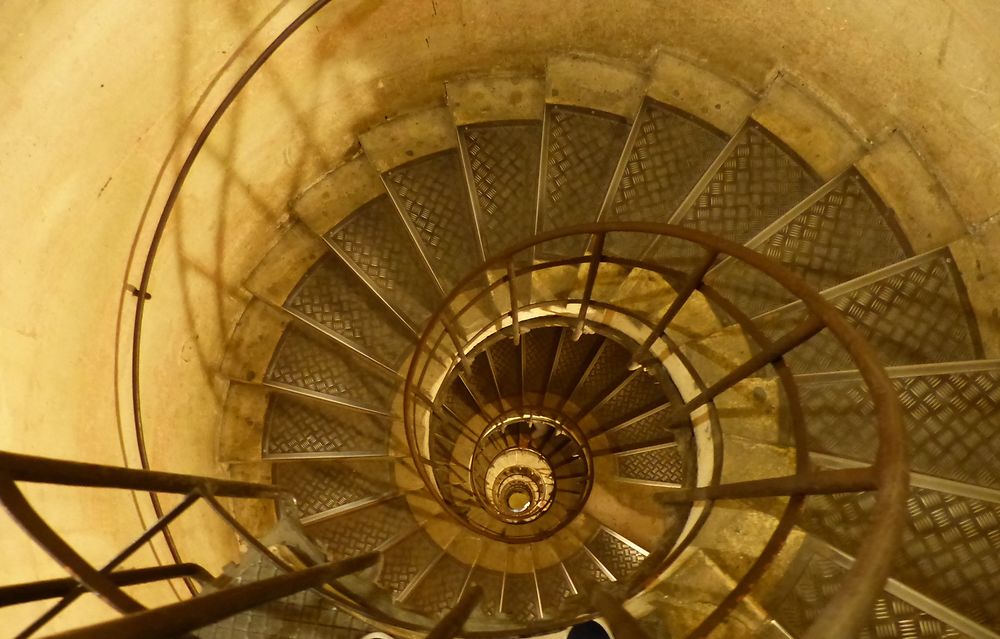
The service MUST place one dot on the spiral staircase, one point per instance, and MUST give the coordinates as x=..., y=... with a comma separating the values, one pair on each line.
x=560, y=374
x=561, y=350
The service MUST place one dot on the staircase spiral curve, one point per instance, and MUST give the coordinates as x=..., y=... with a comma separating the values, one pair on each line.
x=532, y=356
x=544, y=355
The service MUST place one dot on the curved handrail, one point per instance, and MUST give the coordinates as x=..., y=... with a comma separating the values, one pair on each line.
x=862, y=582
x=846, y=611
x=142, y=291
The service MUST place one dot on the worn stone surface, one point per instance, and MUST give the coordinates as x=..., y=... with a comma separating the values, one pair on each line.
x=694, y=89
x=614, y=86
x=907, y=185
x=337, y=194
x=409, y=137
x=801, y=121
x=496, y=97
x=277, y=274
x=976, y=257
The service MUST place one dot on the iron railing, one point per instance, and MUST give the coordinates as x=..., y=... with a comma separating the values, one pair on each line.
x=844, y=613
x=107, y=582
x=455, y=325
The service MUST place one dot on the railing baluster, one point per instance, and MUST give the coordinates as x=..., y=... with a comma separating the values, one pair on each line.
x=70, y=473
x=825, y=482
x=512, y=286
x=118, y=559
x=690, y=286
x=596, y=255
x=778, y=349
x=43, y=534
x=452, y=623
x=192, y=614
x=453, y=336
x=622, y=624
x=888, y=476
x=52, y=588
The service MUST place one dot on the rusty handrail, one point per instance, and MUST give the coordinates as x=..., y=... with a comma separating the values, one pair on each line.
x=85, y=577
x=182, y=617
x=846, y=611
x=142, y=291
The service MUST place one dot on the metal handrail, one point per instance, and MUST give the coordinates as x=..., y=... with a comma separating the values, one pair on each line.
x=847, y=610
x=85, y=577
x=142, y=290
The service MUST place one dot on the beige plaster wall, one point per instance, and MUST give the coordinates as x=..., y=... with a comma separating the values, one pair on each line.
x=99, y=100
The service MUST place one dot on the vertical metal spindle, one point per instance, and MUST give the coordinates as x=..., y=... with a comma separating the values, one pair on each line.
x=690, y=286
x=512, y=285
x=596, y=255
x=622, y=624
x=453, y=622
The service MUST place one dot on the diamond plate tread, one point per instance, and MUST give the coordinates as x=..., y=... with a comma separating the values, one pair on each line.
x=609, y=370
x=583, y=149
x=432, y=193
x=376, y=240
x=952, y=423
x=504, y=160
x=617, y=556
x=507, y=368
x=918, y=316
x=295, y=426
x=491, y=582
x=642, y=393
x=582, y=570
x=305, y=361
x=404, y=561
x=520, y=600
x=758, y=182
x=319, y=486
x=334, y=296
x=662, y=464
x=844, y=235
x=950, y=549
x=304, y=615
x=890, y=617
x=571, y=361
x=670, y=153
x=540, y=346
x=438, y=591
x=649, y=430
x=554, y=589
x=363, y=530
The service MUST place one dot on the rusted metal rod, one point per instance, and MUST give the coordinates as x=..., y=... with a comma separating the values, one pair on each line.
x=451, y=624
x=192, y=614
x=851, y=604
x=779, y=348
x=51, y=588
x=622, y=624
x=512, y=286
x=32, y=523
x=690, y=286
x=160, y=525
x=596, y=255
x=449, y=328
x=825, y=482
x=46, y=470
